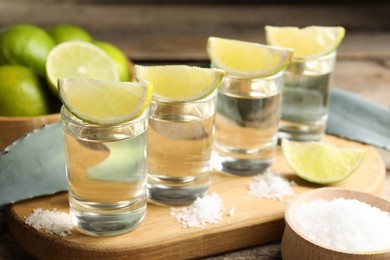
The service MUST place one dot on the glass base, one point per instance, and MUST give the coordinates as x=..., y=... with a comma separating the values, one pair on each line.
x=241, y=167
x=301, y=132
x=107, y=222
x=107, y=225
x=177, y=191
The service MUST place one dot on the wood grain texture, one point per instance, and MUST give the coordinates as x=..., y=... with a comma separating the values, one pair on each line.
x=256, y=221
x=179, y=32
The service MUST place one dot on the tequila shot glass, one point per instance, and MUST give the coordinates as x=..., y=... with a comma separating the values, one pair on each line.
x=106, y=171
x=305, y=101
x=246, y=124
x=180, y=138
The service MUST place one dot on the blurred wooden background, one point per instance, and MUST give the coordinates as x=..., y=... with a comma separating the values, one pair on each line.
x=176, y=31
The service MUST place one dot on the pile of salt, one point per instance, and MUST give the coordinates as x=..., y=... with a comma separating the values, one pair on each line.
x=270, y=186
x=205, y=210
x=52, y=221
x=344, y=224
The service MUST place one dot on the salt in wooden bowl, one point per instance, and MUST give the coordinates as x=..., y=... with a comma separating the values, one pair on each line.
x=12, y=128
x=296, y=245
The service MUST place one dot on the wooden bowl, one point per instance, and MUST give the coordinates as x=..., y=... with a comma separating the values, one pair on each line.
x=296, y=246
x=12, y=128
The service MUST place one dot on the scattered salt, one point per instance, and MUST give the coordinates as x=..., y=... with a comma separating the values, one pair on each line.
x=344, y=224
x=204, y=210
x=231, y=211
x=271, y=186
x=52, y=221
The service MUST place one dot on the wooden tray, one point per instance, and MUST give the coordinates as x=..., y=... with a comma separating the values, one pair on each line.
x=256, y=221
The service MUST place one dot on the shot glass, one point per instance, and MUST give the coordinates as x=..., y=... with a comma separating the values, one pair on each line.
x=180, y=138
x=106, y=171
x=246, y=124
x=305, y=99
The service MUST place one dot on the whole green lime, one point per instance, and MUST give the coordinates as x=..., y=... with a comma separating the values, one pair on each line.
x=68, y=32
x=27, y=45
x=119, y=58
x=22, y=93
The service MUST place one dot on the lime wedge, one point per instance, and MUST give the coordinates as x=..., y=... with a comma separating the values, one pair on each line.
x=105, y=102
x=180, y=82
x=77, y=59
x=321, y=163
x=247, y=59
x=310, y=41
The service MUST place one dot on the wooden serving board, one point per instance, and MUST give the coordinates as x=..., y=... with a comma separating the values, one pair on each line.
x=256, y=221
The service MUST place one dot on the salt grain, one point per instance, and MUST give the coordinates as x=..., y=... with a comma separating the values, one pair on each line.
x=52, y=221
x=271, y=186
x=204, y=210
x=344, y=224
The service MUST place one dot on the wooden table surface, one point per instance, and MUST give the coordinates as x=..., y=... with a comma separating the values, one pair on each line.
x=176, y=34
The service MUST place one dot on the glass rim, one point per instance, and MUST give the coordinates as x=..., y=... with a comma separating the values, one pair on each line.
x=267, y=77
x=69, y=117
x=331, y=54
x=204, y=99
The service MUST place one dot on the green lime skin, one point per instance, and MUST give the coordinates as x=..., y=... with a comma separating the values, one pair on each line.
x=22, y=92
x=27, y=45
x=118, y=57
x=68, y=32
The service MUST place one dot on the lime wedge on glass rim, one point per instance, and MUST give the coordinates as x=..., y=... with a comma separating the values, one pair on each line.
x=105, y=102
x=311, y=41
x=180, y=82
x=78, y=59
x=321, y=163
x=247, y=59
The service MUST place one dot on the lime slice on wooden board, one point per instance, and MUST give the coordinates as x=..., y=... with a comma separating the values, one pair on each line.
x=321, y=163
x=311, y=41
x=180, y=82
x=105, y=102
x=247, y=59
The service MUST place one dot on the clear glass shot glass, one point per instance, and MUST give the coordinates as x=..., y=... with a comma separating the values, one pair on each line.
x=180, y=138
x=305, y=101
x=246, y=124
x=106, y=171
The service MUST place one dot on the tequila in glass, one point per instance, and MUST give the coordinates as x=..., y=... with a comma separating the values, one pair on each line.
x=106, y=170
x=180, y=137
x=246, y=124
x=305, y=98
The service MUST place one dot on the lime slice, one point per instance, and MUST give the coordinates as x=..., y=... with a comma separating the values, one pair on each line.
x=247, y=59
x=180, y=82
x=321, y=163
x=105, y=102
x=77, y=59
x=310, y=41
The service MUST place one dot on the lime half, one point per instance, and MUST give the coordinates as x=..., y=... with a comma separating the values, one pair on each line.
x=180, y=82
x=105, y=102
x=321, y=163
x=310, y=41
x=77, y=59
x=247, y=59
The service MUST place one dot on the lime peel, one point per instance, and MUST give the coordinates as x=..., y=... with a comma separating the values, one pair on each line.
x=105, y=102
x=247, y=59
x=180, y=82
x=78, y=59
x=321, y=163
x=307, y=42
